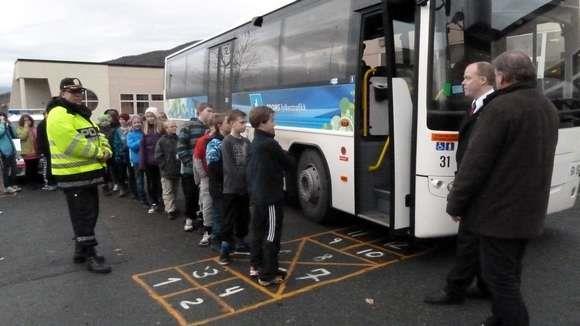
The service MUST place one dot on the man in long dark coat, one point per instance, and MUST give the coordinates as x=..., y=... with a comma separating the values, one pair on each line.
x=503, y=183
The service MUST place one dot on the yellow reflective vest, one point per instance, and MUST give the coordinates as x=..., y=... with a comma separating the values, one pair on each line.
x=77, y=148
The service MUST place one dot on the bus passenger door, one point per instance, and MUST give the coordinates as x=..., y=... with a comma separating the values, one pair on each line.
x=386, y=79
x=399, y=23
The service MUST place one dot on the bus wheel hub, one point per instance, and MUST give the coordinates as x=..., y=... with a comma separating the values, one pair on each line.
x=309, y=185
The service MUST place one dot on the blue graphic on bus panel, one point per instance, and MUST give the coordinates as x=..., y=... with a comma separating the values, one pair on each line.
x=328, y=107
x=183, y=108
x=256, y=99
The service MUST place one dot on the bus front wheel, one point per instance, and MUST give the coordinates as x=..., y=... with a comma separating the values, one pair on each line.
x=313, y=186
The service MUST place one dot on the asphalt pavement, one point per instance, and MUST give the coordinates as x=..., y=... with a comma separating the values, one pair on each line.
x=158, y=273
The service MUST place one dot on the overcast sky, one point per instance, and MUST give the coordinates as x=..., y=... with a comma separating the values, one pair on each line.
x=107, y=29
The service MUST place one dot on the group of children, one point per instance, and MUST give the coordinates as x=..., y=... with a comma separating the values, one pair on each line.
x=228, y=182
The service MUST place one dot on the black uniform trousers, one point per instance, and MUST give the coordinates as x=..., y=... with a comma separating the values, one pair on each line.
x=467, y=265
x=235, y=218
x=267, y=230
x=501, y=262
x=191, y=195
x=83, y=207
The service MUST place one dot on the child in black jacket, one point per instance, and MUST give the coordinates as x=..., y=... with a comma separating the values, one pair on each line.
x=166, y=157
x=267, y=162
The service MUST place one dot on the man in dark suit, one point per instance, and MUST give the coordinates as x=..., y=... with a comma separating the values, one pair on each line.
x=478, y=80
x=503, y=184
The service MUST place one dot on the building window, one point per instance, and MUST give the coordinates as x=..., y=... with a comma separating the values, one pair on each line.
x=127, y=104
x=142, y=102
x=141, y=107
x=138, y=103
x=90, y=99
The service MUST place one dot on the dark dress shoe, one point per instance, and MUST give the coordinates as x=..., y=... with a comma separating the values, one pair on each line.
x=96, y=265
x=443, y=298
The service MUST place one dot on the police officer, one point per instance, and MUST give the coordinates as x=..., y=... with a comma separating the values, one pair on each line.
x=78, y=152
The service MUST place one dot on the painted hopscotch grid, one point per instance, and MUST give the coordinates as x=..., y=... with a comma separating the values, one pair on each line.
x=204, y=291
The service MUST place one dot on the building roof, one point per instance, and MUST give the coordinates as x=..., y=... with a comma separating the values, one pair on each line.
x=151, y=59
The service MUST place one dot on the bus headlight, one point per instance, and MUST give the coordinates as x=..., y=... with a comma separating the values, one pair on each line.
x=450, y=185
x=437, y=183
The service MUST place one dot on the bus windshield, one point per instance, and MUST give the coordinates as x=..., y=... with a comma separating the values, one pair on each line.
x=469, y=31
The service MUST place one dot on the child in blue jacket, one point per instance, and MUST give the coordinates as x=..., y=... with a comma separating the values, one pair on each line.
x=134, y=138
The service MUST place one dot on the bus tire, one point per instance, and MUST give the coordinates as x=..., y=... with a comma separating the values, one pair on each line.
x=313, y=183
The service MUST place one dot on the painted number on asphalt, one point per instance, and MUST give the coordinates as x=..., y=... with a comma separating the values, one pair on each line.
x=335, y=241
x=370, y=253
x=230, y=291
x=208, y=271
x=323, y=257
x=185, y=304
x=315, y=275
x=169, y=281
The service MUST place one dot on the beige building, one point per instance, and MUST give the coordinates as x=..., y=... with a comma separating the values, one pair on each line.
x=127, y=88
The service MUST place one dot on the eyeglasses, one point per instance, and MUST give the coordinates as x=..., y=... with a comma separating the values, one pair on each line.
x=75, y=91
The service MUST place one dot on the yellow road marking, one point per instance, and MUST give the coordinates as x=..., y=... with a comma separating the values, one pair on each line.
x=251, y=282
x=293, y=293
x=343, y=252
x=334, y=280
x=199, y=287
x=371, y=245
x=292, y=265
x=207, y=291
x=237, y=312
x=172, y=267
x=229, y=311
x=160, y=300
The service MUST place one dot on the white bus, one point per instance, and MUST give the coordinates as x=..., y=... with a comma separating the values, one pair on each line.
x=369, y=99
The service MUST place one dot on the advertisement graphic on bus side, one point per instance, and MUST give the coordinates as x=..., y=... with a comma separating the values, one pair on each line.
x=328, y=107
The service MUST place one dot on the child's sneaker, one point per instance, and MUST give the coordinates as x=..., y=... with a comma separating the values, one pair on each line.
x=11, y=190
x=152, y=209
x=224, y=259
x=204, y=242
x=278, y=279
x=254, y=271
x=188, y=227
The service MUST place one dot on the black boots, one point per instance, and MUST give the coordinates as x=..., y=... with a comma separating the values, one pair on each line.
x=95, y=263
